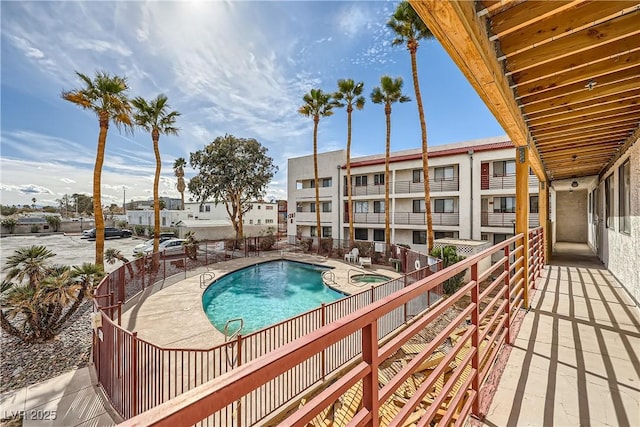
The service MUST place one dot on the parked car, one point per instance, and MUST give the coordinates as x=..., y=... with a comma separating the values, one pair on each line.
x=87, y=233
x=111, y=232
x=139, y=249
x=168, y=247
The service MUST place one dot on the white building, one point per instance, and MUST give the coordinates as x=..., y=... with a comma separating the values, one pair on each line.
x=472, y=194
x=260, y=213
x=168, y=218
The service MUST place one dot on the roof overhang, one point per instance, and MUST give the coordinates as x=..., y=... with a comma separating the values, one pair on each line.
x=561, y=77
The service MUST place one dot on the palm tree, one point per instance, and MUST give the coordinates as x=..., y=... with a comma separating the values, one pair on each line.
x=316, y=104
x=389, y=92
x=351, y=93
x=112, y=255
x=409, y=28
x=106, y=96
x=155, y=118
x=178, y=171
x=28, y=263
x=33, y=200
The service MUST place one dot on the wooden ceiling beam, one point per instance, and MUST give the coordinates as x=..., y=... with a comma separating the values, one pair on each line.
x=601, y=60
x=632, y=139
x=494, y=6
x=584, y=40
x=579, y=152
x=560, y=94
x=595, y=159
x=586, y=127
x=515, y=18
x=545, y=147
x=586, y=113
x=564, y=23
x=626, y=129
x=462, y=34
x=585, y=119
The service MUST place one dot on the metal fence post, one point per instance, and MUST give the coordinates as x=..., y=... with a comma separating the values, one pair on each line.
x=323, y=316
x=134, y=373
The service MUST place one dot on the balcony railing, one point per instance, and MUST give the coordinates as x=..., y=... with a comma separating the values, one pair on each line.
x=404, y=218
x=435, y=185
x=506, y=219
x=366, y=190
x=488, y=182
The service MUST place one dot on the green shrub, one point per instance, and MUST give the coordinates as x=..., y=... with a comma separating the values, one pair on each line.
x=35, y=228
x=54, y=221
x=122, y=224
x=449, y=257
x=139, y=230
x=10, y=224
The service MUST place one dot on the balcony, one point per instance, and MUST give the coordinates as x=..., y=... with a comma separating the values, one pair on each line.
x=310, y=193
x=504, y=182
x=439, y=185
x=505, y=219
x=405, y=218
x=366, y=190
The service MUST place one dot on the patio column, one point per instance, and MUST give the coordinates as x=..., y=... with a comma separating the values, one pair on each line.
x=522, y=212
x=543, y=209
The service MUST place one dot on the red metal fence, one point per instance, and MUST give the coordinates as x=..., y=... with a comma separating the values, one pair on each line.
x=446, y=394
x=138, y=375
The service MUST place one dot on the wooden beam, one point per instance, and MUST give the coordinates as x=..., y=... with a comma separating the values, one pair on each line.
x=543, y=212
x=493, y=6
x=579, y=86
x=522, y=212
x=462, y=34
x=632, y=139
x=584, y=127
x=632, y=94
x=587, y=114
x=585, y=119
x=590, y=142
x=625, y=129
x=584, y=40
x=516, y=18
x=566, y=22
x=574, y=67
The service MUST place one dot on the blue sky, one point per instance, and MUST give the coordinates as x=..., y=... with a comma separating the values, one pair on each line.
x=228, y=67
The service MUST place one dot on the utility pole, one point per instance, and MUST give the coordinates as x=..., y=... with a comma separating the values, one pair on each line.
x=124, y=199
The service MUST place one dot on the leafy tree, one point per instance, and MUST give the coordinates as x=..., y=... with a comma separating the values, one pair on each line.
x=233, y=171
x=106, y=96
x=83, y=204
x=154, y=117
x=351, y=94
x=162, y=204
x=178, y=171
x=409, y=28
x=33, y=200
x=10, y=224
x=449, y=257
x=41, y=302
x=6, y=210
x=316, y=104
x=389, y=92
x=111, y=255
x=54, y=221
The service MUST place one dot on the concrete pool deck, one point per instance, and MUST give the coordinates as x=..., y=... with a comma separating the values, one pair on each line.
x=173, y=317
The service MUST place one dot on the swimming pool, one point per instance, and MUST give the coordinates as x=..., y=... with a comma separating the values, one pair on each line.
x=266, y=293
x=369, y=278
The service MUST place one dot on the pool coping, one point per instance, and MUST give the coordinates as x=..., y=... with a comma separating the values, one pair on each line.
x=159, y=315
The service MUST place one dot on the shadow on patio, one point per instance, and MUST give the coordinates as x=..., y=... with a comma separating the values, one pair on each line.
x=575, y=360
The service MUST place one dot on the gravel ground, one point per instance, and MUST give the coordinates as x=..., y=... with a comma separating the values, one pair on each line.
x=24, y=364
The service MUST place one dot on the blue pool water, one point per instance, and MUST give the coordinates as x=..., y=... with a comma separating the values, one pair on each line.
x=266, y=293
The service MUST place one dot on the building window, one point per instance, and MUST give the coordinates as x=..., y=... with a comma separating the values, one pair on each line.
x=361, y=207
x=361, y=181
x=326, y=206
x=419, y=237
x=312, y=207
x=268, y=208
x=624, y=190
x=533, y=204
x=378, y=179
x=299, y=185
x=250, y=221
x=378, y=206
x=418, y=206
x=443, y=174
x=207, y=208
x=268, y=221
x=417, y=175
x=445, y=234
x=201, y=208
x=258, y=206
x=312, y=231
x=378, y=235
x=164, y=221
x=608, y=194
x=361, y=233
x=258, y=221
x=507, y=167
x=443, y=205
x=484, y=237
x=326, y=231
x=326, y=182
x=312, y=183
x=298, y=207
x=497, y=238
x=504, y=204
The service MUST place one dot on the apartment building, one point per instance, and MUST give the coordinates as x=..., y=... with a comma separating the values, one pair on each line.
x=260, y=213
x=472, y=187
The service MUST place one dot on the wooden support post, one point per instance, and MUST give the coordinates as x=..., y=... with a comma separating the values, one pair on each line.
x=475, y=340
x=543, y=208
x=370, y=382
x=522, y=212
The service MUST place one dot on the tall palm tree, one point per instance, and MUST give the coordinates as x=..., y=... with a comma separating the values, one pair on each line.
x=106, y=96
x=28, y=263
x=389, y=92
x=178, y=171
x=409, y=28
x=316, y=104
x=351, y=94
x=33, y=200
x=154, y=117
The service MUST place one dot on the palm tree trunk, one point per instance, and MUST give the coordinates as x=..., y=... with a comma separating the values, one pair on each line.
x=181, y=200
x=316, y=119
x=97, y=182
x=155, y=136
x=387, y=228
x=425, y=151
x=349, y=189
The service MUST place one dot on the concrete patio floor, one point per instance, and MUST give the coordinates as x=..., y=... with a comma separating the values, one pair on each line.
x=575, y=360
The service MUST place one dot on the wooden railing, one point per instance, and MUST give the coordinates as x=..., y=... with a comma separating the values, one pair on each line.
x=463, y=352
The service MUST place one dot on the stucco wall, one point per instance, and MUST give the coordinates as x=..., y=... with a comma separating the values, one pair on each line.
x=571, y=216
x=622, y=251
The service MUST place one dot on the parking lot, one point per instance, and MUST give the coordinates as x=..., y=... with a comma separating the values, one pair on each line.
x=69, y=249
